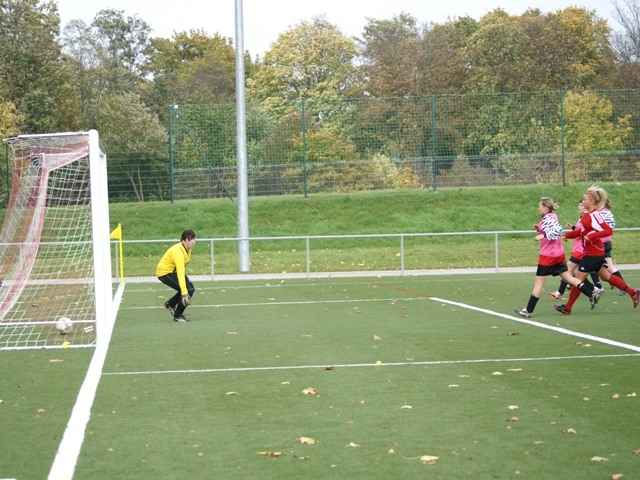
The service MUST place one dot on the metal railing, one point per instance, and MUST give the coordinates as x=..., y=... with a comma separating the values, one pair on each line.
x=401, y=239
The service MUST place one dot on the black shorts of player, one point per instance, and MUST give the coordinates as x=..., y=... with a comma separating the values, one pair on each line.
x=551, y=270
x=607, y=249
x=575, y=260
x=592, y=264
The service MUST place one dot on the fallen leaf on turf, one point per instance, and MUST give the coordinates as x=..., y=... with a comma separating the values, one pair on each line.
x=309, y=391
x=352, y=445
x=617, y=476
x=270, y=454
x=570, y=430
x=512, y=334
x=229, y=332
x=377, y=338
x=425, y=459
x=307, y=441
x=636, y=452
x=599, y=459
x=514, y=369
x=55, y=360
x=231, y=393
x=406, y=407
x=496, y=373
x=513, y=419
x=463, y=376
x=428, y=459
x=329, y=367
x=632, y=394
x=513, y=407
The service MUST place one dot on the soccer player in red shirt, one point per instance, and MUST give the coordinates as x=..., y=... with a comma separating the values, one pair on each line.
x=577, y=252
x=552, y=260
x=594, y=228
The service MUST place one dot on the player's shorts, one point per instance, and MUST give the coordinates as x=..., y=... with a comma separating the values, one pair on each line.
x=592, y=264
x=575, y=259
x=551, y=270
x=607, y=249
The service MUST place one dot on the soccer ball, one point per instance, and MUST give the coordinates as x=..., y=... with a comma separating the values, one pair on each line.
x=63, y=325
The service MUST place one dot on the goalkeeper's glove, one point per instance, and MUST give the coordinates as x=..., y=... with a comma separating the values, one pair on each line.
x=186, y=300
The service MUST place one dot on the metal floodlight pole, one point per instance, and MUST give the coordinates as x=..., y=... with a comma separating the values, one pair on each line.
x=241, y=144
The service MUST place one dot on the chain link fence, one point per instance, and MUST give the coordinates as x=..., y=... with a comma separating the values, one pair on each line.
x=555, y=137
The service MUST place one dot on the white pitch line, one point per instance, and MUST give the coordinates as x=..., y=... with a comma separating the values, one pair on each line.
x=363, y=365
x=299, y=302
x=565, y=331
x=64, y=463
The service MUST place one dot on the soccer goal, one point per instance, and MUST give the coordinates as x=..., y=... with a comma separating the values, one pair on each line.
x=55, y=256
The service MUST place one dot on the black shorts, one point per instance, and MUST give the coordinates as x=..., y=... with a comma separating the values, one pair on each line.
x=592, y=264
x=575, y=260
x=607, y=249
x=554, y=270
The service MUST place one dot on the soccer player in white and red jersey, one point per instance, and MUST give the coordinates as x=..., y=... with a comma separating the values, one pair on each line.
x=552, y=260
x=594, y=228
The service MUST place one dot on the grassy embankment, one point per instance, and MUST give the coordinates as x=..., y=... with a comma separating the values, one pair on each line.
x=389, y=212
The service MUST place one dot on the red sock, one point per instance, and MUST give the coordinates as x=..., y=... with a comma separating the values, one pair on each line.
x=573, y=296
x=620, y=284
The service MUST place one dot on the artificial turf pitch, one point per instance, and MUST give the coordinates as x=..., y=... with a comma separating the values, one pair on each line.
x=372, y=378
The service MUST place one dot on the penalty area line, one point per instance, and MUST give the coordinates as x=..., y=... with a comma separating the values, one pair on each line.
x=367, y=365
x=565, y=331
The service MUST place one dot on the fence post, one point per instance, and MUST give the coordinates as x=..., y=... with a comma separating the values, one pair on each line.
x=433, y=142
x=562, y=135
x=304, y=150
x=171, y=153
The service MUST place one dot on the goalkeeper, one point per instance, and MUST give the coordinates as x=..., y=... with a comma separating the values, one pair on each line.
x=171, y=271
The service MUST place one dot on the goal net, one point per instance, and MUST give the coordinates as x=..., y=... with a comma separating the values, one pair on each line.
x=55, y=259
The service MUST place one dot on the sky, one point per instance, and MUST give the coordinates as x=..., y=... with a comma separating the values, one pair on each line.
x=263, y=21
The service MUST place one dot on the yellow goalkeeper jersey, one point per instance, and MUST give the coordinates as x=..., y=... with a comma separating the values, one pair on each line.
x=175, y=259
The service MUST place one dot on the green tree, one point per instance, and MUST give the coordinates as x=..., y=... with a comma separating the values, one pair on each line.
x=445, y=66
x=591, y=129
x=192, y=68
x=390, y=55
x=105, y=58
x=563, y=50
x=591, y=126
x=136, y=144
x=312, y=61
x=32, y=76
x=401, y=58
x=10, y=119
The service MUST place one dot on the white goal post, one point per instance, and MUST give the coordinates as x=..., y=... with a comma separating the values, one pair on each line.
x=55, y=255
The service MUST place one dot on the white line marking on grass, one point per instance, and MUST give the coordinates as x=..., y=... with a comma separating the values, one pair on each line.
x=300, y=302
x=565, y=331
x=64, y=463
x=361, y=365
